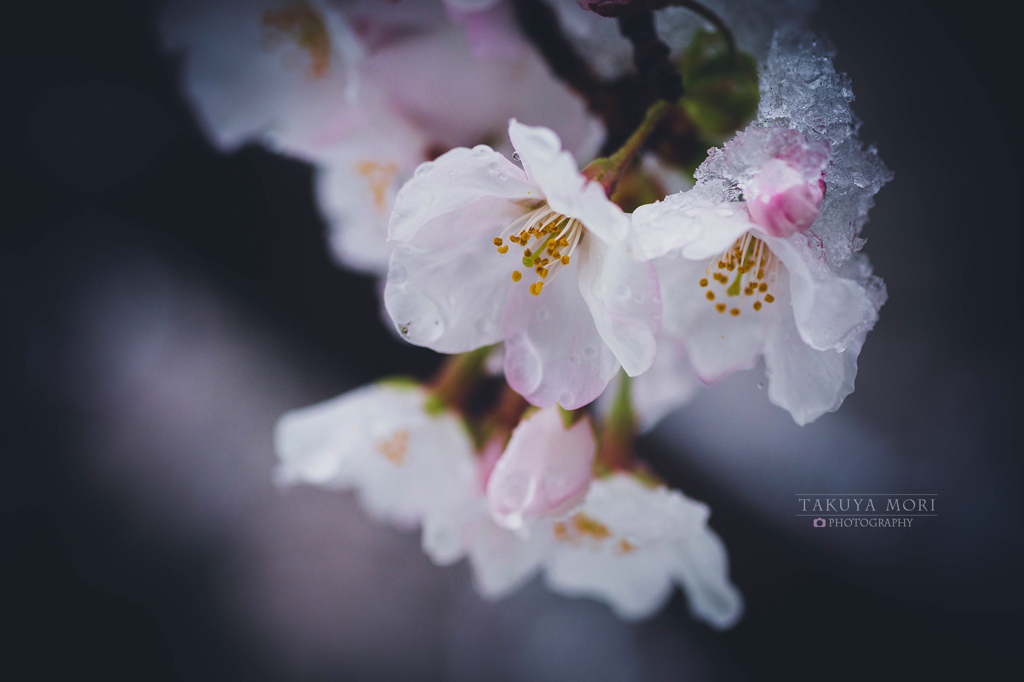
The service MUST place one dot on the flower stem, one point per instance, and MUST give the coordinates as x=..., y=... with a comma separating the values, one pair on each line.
x=608, y=171
x=456, y=378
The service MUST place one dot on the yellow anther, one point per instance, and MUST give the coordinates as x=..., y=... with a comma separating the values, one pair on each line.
x=565, y=260
x=502, y=249
x=763, y=288
x=704, y=282
x=768, y=298
x=514, y=239
x=757, y=305
x=516, y=276
x=710, y=295
x=497, y=241
x=536, y=287
x=734, y=312
x=720, y=307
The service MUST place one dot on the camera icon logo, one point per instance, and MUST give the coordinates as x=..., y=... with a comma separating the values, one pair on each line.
x=819, y=523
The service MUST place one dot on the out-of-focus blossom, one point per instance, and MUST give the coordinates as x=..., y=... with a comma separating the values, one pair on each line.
x=453, y=284
x=630, y=542
x=490, y=27
x=611, y=55
x=379, y=440
x=545, y=469
x=366, y=91
x=776, y=275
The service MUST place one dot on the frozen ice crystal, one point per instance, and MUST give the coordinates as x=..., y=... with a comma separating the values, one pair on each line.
x=802, y=93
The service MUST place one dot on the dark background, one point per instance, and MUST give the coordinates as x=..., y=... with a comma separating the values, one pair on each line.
x=111, y=193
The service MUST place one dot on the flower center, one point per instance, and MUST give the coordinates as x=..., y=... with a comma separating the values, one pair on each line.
x=303, y=25
x=748, y=260
x=554, y=238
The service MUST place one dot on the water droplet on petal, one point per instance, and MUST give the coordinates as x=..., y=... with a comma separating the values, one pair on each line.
x=566, y=398
x=623, y=291
x=760, y=384
x=424, y=168
x=523, y=367
x=574, y=359
x=590, y=352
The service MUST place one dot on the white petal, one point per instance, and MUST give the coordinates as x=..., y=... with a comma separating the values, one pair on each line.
x=553, y=351
x=701, y=567
x=717, y=343
x=831, y=312
x=378, y=439
x=447, y=286
x=243, y=91
x=436, y=473
x=696, y=222
x=503, y=560
x=807, y=382
x=626, y=545
x=624, y=298
x=567, y=192
x=452, y=182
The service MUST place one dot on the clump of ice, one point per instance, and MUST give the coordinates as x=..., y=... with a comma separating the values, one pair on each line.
x=802, y=93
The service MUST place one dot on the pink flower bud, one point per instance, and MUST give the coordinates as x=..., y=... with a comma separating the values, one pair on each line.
x=781, y=200
x=545, y=469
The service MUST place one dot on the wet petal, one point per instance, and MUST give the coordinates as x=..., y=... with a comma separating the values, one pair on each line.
x=553, y=351
x=448, y=285
x=567, y=192
x=807, y=382
x=831, y=312
x=624, y=298
x=452, y=182
x=698, y=223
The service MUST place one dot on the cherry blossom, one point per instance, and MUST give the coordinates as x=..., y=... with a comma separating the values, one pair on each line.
x=472, y=230
x=775, y=274
x=364, y=90
x=631, y=542
x=379, y=440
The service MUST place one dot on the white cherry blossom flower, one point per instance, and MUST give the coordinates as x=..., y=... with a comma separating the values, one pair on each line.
x=486, y=252
x=364, y=90
x=380, y=441
x=777, y=274
x=545, y=469
x=630, y=543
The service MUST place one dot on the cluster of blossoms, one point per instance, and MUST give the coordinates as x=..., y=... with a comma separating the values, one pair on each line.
x=561, y=276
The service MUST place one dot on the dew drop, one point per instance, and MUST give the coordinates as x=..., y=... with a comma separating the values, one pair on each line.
x=590, y=352
x=623, y=291
x=574, y=359
x=760, y=384
x=566, y=398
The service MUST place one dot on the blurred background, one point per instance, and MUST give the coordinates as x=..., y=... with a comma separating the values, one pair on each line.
x=163, y=304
